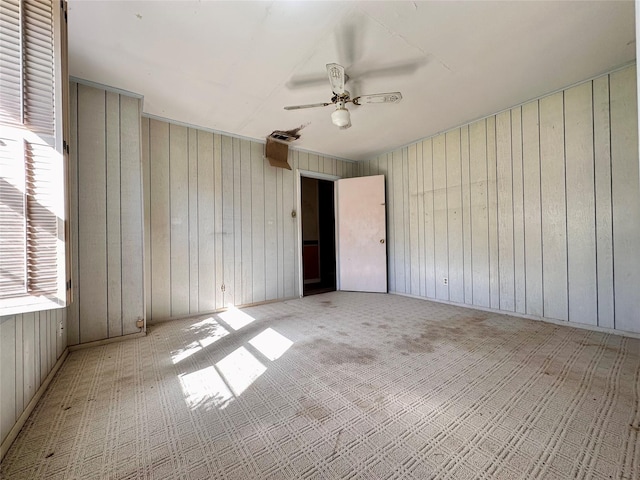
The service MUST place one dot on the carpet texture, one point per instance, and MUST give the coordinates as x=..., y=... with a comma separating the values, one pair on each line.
x=342, y=385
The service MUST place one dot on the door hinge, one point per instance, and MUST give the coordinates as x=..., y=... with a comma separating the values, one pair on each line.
x=222, y=287
x=69, y=285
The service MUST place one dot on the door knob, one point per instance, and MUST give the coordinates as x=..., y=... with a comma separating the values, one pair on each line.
x=382, y=240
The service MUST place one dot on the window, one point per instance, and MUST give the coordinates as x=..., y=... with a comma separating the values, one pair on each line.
x=33, y=156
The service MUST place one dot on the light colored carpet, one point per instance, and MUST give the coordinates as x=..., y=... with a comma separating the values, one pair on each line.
x=342, y=385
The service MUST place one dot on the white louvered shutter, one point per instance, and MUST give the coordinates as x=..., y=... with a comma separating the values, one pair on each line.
x=32, y=157
x=10, y=63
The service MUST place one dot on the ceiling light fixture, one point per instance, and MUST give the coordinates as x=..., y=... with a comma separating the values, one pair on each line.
x=341, y=116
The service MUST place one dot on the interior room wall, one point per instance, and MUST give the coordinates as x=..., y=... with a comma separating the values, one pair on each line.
x=106, y=214
x=535, y=210
x=219, y=229
x=30, y=345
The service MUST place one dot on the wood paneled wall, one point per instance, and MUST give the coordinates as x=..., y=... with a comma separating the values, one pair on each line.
x=218, y=224
x=106, y=214
x=30, y=345
x=535, y=210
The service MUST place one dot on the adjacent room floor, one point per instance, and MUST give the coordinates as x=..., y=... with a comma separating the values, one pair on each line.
x=342, y=385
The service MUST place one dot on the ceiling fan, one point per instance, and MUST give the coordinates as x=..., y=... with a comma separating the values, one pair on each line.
x=341, y=117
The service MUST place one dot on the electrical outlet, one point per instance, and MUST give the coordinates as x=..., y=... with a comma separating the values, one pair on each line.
x=445, y=281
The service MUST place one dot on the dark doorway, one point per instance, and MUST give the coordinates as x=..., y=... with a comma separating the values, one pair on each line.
x=318, y=236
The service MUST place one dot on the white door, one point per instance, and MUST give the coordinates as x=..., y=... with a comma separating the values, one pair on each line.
x=361, y=234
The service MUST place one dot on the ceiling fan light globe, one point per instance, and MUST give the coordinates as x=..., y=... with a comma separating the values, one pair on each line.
x=341, y=117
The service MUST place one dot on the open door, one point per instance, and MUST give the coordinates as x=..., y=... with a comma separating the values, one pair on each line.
x=361, y=236
x=317, y=213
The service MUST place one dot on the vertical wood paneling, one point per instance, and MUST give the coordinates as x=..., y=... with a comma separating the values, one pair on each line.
x=131, y=215
x=532, y=208
x=51, y=317
x=7, y=375
x=518, y=212
x=257, y=221
x=43, y=346
x=440, y=217
x=466, y=215
x=373, y=166
x=420, y=222
x=399, y=223
x=406, y=220
x=280, y=218
x=246, y=191
x=505, y=211
x=330, y=166
x=581, y=228
x=228, y=220
x=92, y=214
x=36, y=353
x=114, y=254
x=205, y=221
x=429, y=223
x=21, y=400
x=479, y=213
x=413, y=223
x=604, y=221
x=271, y=229
x=237, y=222
x=60, y=331
x=73, y=326
x=160, y=216
x=492, y=204
x=290, y=227
x=364, y=168
x=179, y=228
x=194, y=264
x=554, y=218
x=146, y=196
x=626, y=199
x=314, y=162
x=303, y=160
x=218, y=279
x=455, y=244
x=29, y=356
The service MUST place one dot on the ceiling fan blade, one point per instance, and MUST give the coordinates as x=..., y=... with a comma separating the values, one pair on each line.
x=393, y=97
x=304, y=81
x=390, y=70
x=336, y=77
x=349, y=40
x=310, y=105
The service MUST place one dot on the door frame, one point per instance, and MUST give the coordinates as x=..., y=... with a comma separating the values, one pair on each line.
x=319, y=176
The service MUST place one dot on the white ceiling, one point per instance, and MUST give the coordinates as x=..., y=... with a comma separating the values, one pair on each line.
x=233, y=66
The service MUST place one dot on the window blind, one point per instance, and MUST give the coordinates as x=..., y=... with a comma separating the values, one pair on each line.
x=32, y=182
